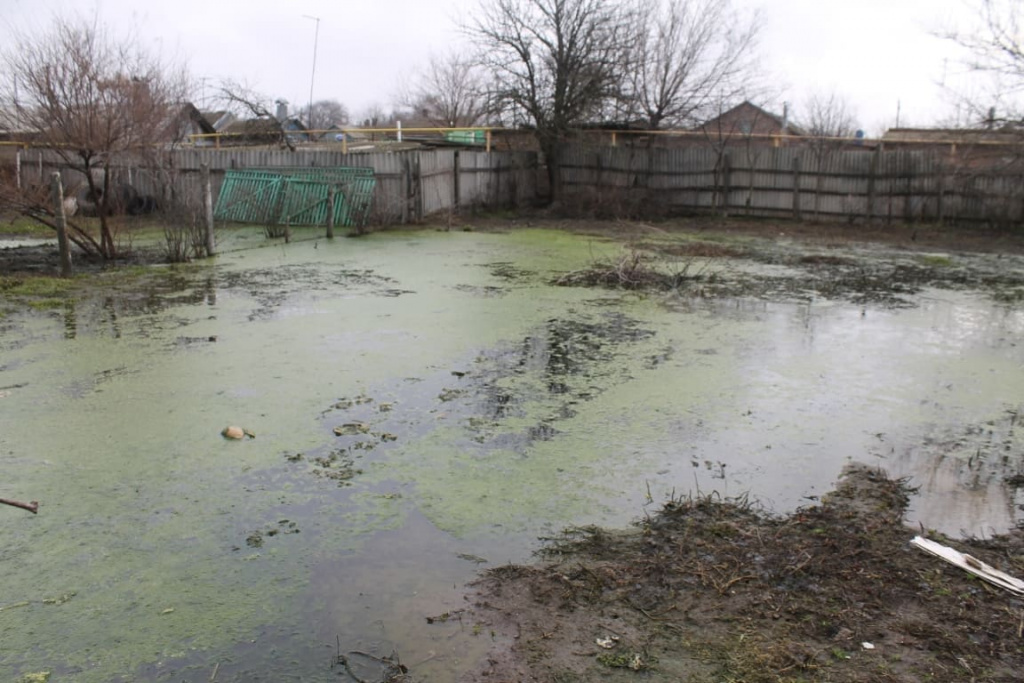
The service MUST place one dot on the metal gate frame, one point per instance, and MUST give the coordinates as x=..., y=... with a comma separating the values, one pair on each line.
x=296, y=196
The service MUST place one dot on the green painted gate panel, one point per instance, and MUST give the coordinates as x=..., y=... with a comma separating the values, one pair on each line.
x=248, y=196
x=297, y=196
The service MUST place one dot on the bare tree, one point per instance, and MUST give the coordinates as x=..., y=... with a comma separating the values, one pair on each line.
x=448, y=92
x=262, y=122
x=326, y=113
x=557, y=61
x=830, y=124
x=829, y=119
x=89, y=96
x=689, y=57
x=993, y=49
x=374, y=116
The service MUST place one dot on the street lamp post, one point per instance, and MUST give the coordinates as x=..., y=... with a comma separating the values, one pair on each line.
x=312, y=75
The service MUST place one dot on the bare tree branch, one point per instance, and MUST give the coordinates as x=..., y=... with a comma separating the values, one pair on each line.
x=993, y=50
x=828, y=120
x=326, y=113
x=448, y=92
x=689, y=57
x=242, y=98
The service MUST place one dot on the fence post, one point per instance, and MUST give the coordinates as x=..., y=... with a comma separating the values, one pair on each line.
x=726, y=182
x=872, y=173
x=330, y=212
x=418, y=189
x=62, y=225
x=797, y=214
x=407, y=184
x=17, y=169
x=211, y=243
x=456, y=181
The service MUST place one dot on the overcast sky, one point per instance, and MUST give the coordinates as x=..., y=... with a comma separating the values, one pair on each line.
x=877, y=54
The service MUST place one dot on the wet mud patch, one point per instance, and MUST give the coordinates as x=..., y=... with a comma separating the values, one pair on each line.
x=272, y=287
x=516, y=395
x=710, y=589
x=258, y=537
x=484, y=290
x=506, y=270
x=887, y=278
x=505, y=398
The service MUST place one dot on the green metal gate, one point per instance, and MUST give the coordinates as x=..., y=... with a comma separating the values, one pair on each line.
x=296, y=196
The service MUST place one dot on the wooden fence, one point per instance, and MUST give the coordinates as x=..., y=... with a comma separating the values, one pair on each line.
x=801, y=183
x=792, y=182
x=410, y=184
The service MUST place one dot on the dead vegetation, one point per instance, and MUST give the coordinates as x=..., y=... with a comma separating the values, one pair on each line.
x=714, y=590
x=636, y=269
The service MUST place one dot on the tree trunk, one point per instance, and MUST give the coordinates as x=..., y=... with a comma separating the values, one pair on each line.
x=552, y=148
x=99, y=195
x=103, y=211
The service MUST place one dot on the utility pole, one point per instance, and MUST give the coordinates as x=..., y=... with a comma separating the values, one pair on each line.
x=312, y=75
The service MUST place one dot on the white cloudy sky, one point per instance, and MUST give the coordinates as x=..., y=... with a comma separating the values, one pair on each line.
x=877, y=54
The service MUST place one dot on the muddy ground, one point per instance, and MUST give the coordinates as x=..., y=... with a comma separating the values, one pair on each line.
x=714, y=590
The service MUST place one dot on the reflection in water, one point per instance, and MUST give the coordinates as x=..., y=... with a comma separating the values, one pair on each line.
x=110, y=317
x=70, y=319
x=570, y=360
x=973, y=477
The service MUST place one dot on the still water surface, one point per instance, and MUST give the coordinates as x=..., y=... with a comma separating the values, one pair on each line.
x=478, y=408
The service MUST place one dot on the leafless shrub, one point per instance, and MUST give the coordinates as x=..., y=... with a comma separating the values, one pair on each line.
x=89, y=96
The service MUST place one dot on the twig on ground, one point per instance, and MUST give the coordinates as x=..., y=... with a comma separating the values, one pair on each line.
x=32, y=506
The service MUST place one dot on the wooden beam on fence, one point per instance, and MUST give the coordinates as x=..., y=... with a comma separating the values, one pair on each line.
x=797, y=213
x=211, y=244
x=726, y=175
x=418, y=189
x=456, y=181
x=940, y=209
x=407, y=187
x=872, y=173
x=64, y=248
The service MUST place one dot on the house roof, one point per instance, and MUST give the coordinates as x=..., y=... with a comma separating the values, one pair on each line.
x=263, y=127
x=750, y=109
x=11, y=124
x=1005, y=135
x=218, y=119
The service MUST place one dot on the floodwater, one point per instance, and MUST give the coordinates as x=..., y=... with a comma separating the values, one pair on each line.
x=425, y=405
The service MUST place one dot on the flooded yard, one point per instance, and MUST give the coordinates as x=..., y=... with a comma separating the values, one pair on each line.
x=427, y=404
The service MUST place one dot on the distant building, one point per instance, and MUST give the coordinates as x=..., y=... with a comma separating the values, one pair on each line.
x=13, y=130
x=748, y=123
x=181, y=124
x=973, y=147
x=218, y=119
x=263, y=131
